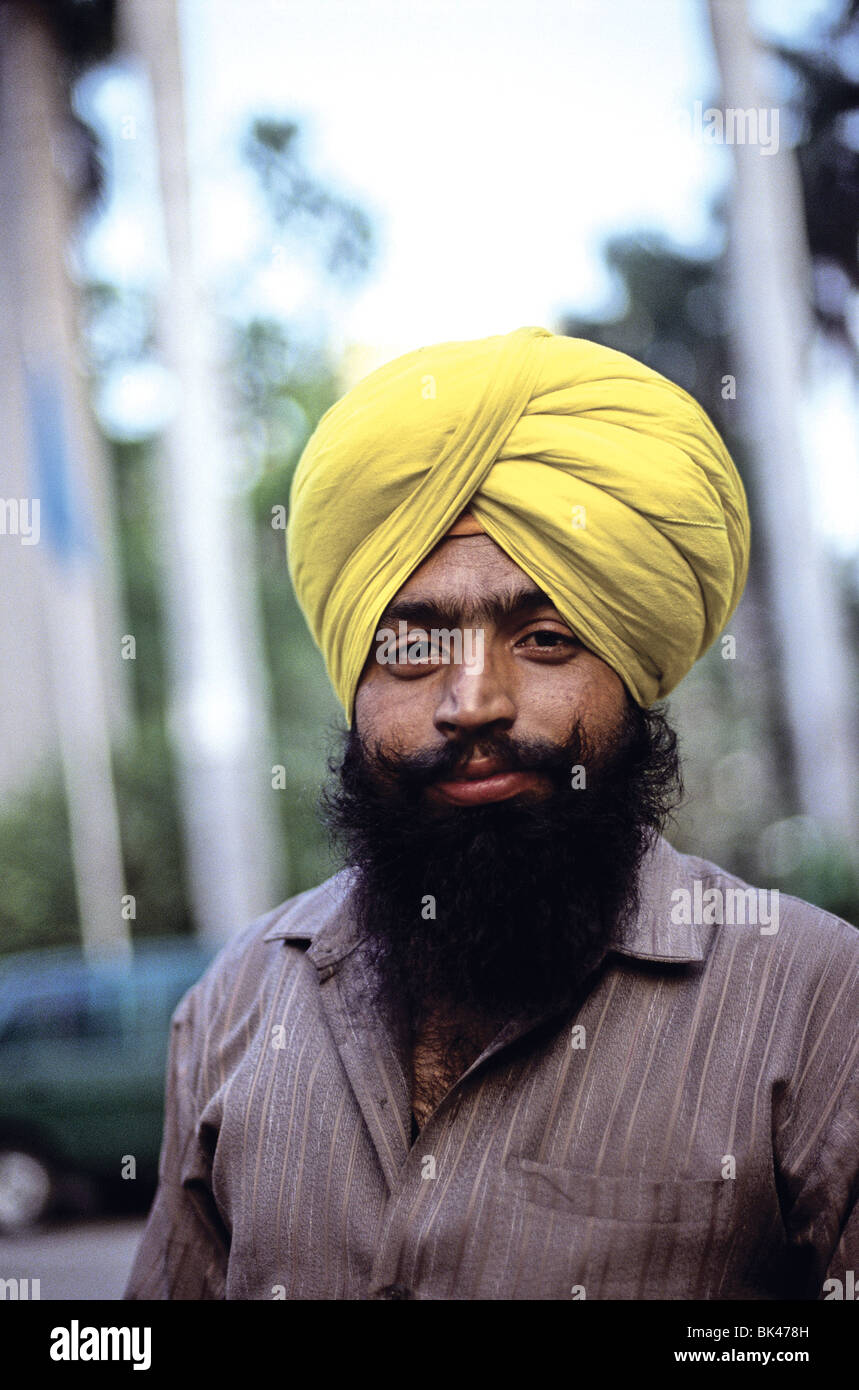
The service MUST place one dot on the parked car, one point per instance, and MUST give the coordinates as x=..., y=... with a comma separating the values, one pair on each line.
x=83, y=1051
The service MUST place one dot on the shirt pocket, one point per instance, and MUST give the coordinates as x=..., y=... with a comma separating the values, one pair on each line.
x=629, y=1197
x=626, y=1236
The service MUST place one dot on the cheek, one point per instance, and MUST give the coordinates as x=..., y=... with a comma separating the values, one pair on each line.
x=606, y=703
x=603, y=690
x=365, y=711
x=587, y=689
x=389, y=711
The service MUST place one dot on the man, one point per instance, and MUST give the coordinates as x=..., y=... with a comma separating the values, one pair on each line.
x=519, y=1047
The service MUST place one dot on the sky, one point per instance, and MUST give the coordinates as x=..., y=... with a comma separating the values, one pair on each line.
x=495, y=145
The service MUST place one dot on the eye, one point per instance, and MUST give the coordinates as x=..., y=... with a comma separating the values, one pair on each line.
x=414, y=654
x=419, y=649
x=548, y=639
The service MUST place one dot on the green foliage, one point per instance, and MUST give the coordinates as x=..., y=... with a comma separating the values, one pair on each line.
x=305, y=712
x=824, y=875
x=140, y=565
x=152, y=835
x=37, y=902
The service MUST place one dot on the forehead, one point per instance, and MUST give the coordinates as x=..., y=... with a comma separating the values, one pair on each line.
x=466, y=564
x=467, y=581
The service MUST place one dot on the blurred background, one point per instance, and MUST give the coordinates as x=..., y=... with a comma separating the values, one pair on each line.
x=217, y=215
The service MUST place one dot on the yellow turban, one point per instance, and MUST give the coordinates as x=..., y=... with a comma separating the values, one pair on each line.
x=607, y=484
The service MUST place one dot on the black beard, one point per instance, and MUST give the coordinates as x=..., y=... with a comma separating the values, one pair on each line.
x=504, y=907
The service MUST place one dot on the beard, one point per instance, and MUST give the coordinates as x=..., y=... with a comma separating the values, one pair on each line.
x=486, y=911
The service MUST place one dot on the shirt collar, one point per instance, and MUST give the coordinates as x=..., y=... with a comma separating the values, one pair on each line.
x=322, y=918
x=652, y=933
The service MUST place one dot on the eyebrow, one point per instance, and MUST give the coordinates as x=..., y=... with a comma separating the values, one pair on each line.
x=496, y=608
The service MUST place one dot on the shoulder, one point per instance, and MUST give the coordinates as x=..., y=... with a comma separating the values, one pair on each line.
x=735, y=903
x=251, y=965
x=691, y=908
x=806, y=956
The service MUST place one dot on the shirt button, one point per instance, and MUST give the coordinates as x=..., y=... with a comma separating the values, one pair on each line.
x=395, y=1291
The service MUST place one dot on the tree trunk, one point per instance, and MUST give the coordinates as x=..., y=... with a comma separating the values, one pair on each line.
x=218, y=707
x=769, y=278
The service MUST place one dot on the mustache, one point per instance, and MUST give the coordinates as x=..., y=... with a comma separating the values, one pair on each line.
x=417, y=770
x=414, y=772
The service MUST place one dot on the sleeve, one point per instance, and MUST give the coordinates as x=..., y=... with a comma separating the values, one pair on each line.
x=184, y=1250
x=842, y=1276
x=820, y=1129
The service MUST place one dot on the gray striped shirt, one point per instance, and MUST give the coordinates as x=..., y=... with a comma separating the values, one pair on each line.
x=688, y=1129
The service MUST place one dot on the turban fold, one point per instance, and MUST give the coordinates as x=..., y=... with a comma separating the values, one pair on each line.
x=606, y=483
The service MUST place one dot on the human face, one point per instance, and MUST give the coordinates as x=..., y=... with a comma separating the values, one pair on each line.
x=535, y=679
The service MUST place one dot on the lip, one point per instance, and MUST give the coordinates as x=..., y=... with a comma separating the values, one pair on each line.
x=481, y=782
x=478, y=769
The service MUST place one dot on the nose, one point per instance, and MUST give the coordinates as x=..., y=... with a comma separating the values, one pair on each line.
x=471, y=699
